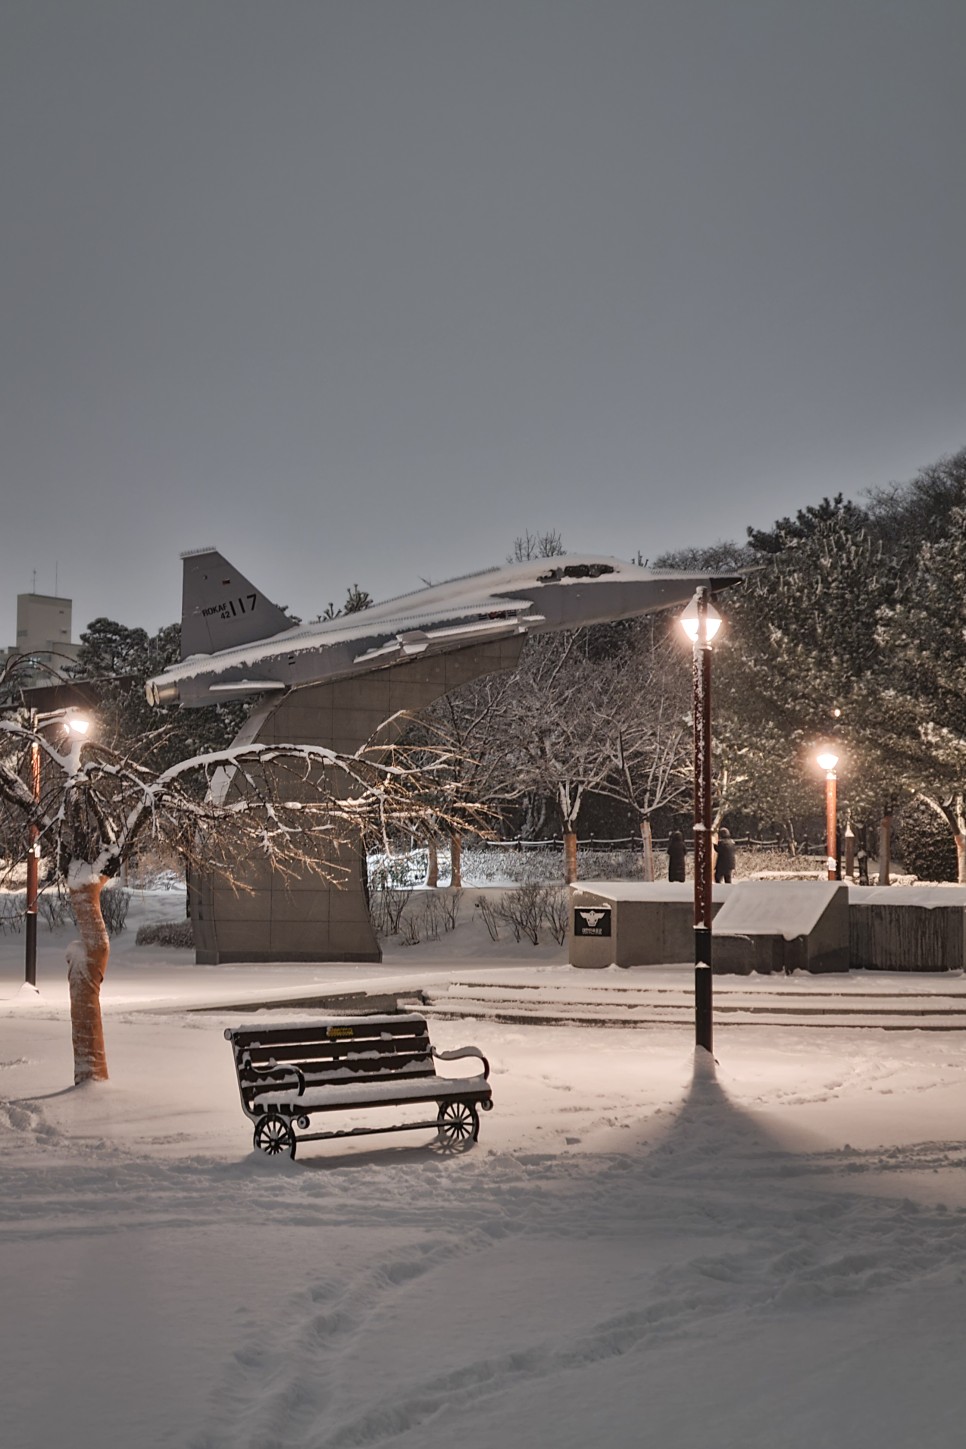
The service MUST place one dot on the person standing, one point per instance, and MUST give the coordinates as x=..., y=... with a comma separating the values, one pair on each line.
x=724, y=861
x=676, y=855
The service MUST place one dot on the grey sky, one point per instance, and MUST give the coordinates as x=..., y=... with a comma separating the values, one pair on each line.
x=359, y=291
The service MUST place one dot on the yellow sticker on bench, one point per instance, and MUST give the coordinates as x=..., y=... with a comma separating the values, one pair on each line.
x=340, y=1031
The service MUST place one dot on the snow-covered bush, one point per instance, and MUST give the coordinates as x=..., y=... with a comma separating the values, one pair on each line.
x=528, y=909
x=115, y=903
x=503, y=864
x=613, y=864
x=489, y=917
x=165, y=933
x=556, y=912
x=55, y=909
x=386, y=906
x=522, y=909
x=926, y=844
x=499, y=864
x=12, y=908
x=52, y=908
x=400, y=872
x=415, y=916
x=451, y=903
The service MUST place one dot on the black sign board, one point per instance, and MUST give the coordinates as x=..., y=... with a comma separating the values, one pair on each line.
x=592, y=920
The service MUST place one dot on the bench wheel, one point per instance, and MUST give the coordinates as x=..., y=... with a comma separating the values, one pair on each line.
x=274, y=1135
x=458, y=1124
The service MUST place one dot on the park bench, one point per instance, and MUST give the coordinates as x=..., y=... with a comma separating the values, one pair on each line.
x=287, y=1074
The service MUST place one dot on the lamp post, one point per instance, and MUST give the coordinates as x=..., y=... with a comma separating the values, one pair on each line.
x=74, y=723
x=701, y=621
x=827, y=761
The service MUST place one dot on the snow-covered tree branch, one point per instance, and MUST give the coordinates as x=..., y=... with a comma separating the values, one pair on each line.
x=298, y=806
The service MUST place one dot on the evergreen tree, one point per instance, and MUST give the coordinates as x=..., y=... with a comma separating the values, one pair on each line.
x=722, y=557
x=789, y=532
x=121, y=659
x=799, y=664
x=923, y=689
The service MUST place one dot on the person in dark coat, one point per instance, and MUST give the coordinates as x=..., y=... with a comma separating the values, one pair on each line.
x=724, y=861
x=675, y=856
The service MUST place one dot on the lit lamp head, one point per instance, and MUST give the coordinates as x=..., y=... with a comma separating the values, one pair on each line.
x=827, y=761
x=690, y=621
x=71, y=719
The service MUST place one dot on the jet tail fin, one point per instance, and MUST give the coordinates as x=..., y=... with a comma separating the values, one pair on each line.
x=220, y=608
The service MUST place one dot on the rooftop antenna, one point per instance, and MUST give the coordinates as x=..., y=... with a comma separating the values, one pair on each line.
x=33, y=582
x=56, y=566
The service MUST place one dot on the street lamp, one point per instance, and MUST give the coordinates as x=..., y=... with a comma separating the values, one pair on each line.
x=74, y=723
x=827, y=761
x=700, y=620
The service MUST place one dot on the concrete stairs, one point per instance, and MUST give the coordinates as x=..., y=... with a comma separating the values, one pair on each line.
x=768, y=1001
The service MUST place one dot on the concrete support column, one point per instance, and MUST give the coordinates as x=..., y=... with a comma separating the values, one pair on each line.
x=272, y=919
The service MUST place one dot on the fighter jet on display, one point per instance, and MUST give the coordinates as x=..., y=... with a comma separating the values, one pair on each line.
x=236, y=643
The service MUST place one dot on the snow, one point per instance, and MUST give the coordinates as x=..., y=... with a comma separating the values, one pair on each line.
x=928, y=897
x=788, y=908
x=641, y=1249
x=647, y=890
x=424, y=1090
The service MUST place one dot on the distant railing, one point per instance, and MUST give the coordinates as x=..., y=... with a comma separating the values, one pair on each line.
x=634, y=843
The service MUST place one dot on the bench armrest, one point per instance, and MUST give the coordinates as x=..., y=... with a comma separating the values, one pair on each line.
x=458, y=1052
x=281, y=1067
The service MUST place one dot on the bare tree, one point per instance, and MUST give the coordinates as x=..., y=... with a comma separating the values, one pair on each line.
x=557, y=729
x=298, y=806
x=650, y=730
x=527, y=546
x=356, y=600
x=470, y=723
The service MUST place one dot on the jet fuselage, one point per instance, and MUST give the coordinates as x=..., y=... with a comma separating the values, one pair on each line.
x=239, y=644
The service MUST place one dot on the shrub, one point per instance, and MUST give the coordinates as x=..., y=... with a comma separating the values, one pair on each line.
x=115, y=903
x=52, y=908
x=556, y=912
x=398, y=872
x=386, y=909
x=166, y=933
x=522, y=909
x=55, y=909
x=489, y=915
x=928, y=850
x=527, y=910
x=451, y=903
x=12, y=908
x=496, y=864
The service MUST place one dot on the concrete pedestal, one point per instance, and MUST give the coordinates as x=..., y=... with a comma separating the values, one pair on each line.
x=908, y=928
x=758, y=925
x=782, y=926
x=275, y=919
x=633, y=923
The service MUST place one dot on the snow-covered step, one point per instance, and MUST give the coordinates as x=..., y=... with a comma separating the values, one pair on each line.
x=640, y=1006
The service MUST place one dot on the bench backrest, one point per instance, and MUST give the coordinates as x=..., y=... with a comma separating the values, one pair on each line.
x=332, y=1052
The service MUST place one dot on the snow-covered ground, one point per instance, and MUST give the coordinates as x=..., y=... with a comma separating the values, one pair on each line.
x=636, y=1253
